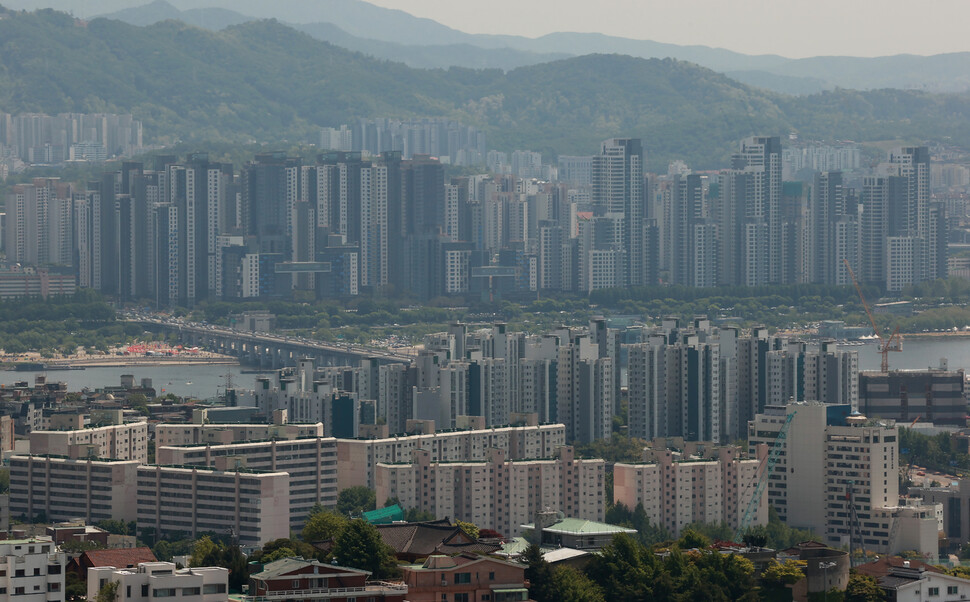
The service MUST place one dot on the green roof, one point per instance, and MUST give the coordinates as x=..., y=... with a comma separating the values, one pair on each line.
x=578, y=526
x=384, y=516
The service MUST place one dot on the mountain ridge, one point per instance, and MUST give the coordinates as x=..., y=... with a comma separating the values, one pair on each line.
x=262, y=80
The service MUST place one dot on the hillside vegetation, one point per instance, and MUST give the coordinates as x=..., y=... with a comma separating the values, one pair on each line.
x=264, y=81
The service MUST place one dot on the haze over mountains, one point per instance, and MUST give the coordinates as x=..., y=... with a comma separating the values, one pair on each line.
x=417, y=42
x=263, y=81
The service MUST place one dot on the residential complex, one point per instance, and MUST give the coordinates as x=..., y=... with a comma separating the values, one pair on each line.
x=374, y=213
x=677, y=490
x=497, y=493
x=249, y=506
x=128, y=441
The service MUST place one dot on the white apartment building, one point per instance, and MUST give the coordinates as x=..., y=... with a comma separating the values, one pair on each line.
x=62, y=489
x=358, y=458
x=118, y=441
x=841, y=480
x=154, y=580
x=253, y=507
x=311, y=464
x=497, y=493
x=31, y=570
x=676, y=492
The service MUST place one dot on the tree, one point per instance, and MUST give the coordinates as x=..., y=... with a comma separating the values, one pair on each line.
x=691, y=538
x=863, y=588
x=4, y=480
x=356, y=500
x=323, y=526
x=74, y=588
x=470, y=529
x=360, y=546
x=204, y=552
x=539, y=574
x=755, y=536
x=108, y=592
x=572, y=586
x=777, y=575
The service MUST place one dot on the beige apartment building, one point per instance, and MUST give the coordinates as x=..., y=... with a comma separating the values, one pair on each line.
x=676, y=491
x=64, y=489
x=252, y=507
x=497, y=493
x=359, y=457
x=127, y=441
x=167, y=435
x=311, y=464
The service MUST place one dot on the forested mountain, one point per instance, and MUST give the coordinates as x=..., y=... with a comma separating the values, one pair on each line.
x=265, y=81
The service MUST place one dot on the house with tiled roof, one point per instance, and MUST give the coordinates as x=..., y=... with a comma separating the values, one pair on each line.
x=884, y=565
x=121, y=558
x=299, y=579
x=413, y=541
x=466, y=577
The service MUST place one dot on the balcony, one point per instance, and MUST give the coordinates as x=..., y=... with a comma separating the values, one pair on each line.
x=374, y=588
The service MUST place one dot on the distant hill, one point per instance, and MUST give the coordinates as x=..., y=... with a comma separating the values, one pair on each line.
x=262, y=80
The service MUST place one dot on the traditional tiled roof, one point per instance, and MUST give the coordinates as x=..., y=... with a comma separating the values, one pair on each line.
x=120, y=558
x=418, y=540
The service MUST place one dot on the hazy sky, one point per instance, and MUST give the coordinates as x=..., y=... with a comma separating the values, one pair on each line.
x=791, y=28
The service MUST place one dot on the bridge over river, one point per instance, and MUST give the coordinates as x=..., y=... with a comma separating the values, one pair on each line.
x=269, y=350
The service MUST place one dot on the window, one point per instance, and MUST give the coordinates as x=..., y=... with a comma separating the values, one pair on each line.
x=18, y=591
x=53, y=587
x=214, y=588
x=952, y=590
x=163, y=592
x=53, y=569
x=128, y=591
x=461, y=597
x=463, y=578
x=933, y=591
x=491, y=576
x=144, y=590
x=19, y=573
x=191, y=591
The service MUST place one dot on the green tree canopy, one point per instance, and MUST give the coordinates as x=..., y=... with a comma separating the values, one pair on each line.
x=323, y=526
x=360, y=546
x=356, y=500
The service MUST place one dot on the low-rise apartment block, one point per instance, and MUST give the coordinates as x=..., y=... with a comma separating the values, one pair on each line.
x=127, y=441
x=31, y=570
x=676, y=492
x=155, y=580
x=359, y=457
x=497, y=493
x=252, y=507
x=311, y=465
x=61, y=489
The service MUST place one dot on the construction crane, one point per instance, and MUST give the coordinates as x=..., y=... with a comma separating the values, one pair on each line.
x=761, y=481
x=895, y=341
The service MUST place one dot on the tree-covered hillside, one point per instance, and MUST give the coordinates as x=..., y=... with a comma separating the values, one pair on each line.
x=267, y=82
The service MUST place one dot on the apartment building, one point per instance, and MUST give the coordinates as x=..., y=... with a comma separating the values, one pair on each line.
x=251, y=506
x=676, y=490
x=32, y=570
x=497, y=493
x=153, y=580
x=61, y=489
x=311, y=464
x=357, y=458
x=127, y=441
x=219, y=434
x=839, y=477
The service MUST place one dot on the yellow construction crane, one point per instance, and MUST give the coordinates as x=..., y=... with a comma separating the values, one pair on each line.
x=895, y=341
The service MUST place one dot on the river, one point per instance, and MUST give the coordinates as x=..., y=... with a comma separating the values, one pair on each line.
x=207, y=381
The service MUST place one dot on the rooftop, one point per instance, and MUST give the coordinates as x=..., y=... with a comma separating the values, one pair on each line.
x=577, y=526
